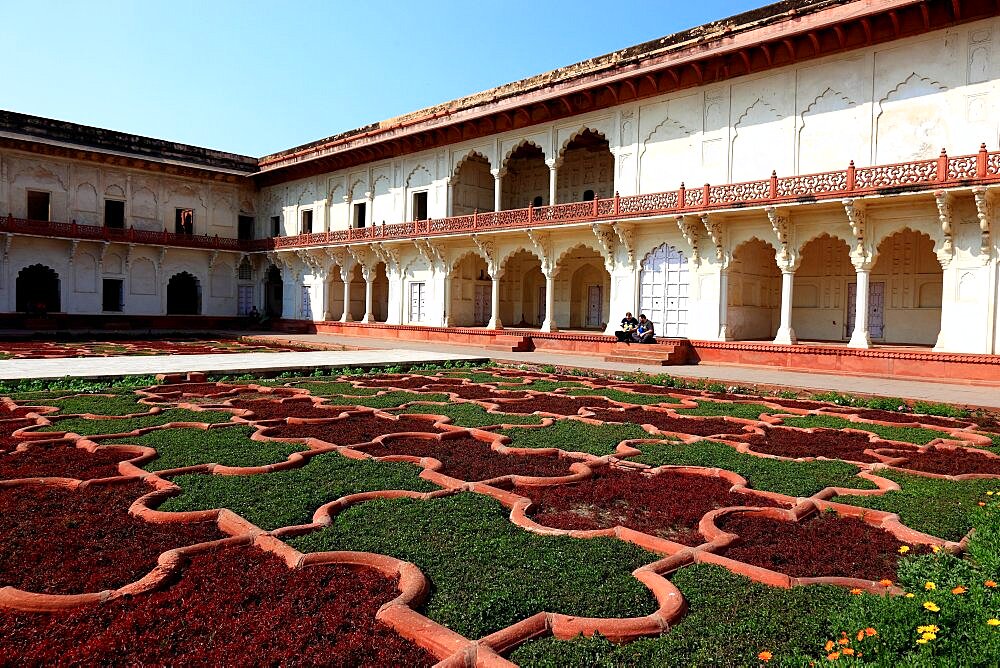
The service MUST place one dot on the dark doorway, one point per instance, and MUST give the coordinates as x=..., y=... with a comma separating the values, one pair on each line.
x=112, y=295
x=273, y=289
x=38, y=290
x=114, y=214
x=184, y=221
x=245, y=228
x=39, y=205
x=183, y=295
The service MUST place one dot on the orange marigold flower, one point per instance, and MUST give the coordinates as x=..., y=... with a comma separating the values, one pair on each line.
x=844, y=641
x=870, y=632
x=856, y=591
x=960, y=589
x=885, y=582
x=982, y=503
x=861, y=635
x=833, y=656
x=765, y=656
x=990, y=583
x=847, y=651
x=829, y=645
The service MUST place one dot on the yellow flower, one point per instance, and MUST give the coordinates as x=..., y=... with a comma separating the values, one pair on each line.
x=909, y=595
x=935, y=549
x=989, y=493
x=929, y=628
x=993, y=621
x=929, y=605
x=930, y=586
x=929, y=636
x=903, y=549
x=921, y=641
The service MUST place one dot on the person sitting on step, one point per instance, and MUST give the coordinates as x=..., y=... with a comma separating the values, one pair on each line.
x=624, y=335
x=644, y=332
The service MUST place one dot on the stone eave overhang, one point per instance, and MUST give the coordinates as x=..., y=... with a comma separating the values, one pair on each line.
x=794, y=31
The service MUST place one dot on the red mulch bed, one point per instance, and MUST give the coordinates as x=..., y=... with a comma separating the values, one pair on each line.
x=60, y=459
x=668, y=505
x=829, y=443
x=890, y=416
x=265, y=409
x=6, y=412
x=231, y=606
x=664, y=422
x=947, y=462
x=7, y=428
x=471, y=459
x=355, y=429
x=555, y=405
x=807, y=405
x=193, y=389
x=821, y=546
x=58, y=541
x=475, y=392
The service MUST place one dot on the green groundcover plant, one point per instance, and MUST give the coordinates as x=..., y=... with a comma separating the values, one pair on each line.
x=949, y=615
x=287, y=498
x=486, y=573
x=575, y=436
x=119, y=404
x=86, y=427
x=229, y=446
x=624, y=397
x=471, y=415
x=772, y=475
x=917, y=435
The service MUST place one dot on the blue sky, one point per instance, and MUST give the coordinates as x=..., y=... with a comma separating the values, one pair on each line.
x=259, y=76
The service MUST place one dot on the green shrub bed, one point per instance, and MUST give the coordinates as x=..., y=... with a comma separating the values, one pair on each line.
x=86, y=427
x=229, y=446
x=487, y=573
x=387, y=400
x=625, y=397
x=942, y=508
x=334, y=388
x=575, y=436
x=119, y=404
x=290, y=497
x=917, y=435
x=772, y=475
x=717, y=409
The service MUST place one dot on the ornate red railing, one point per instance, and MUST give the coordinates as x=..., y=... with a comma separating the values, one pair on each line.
x=943, y=172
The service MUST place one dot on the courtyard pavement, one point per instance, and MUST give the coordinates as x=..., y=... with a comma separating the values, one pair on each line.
x=227, y=363
x=951, y=393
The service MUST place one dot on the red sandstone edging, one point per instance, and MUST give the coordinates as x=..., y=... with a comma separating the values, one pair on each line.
x=23, y=433
x=489, y=407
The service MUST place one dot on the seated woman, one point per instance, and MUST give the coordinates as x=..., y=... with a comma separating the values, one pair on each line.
x=644, y=332
x=624, y=335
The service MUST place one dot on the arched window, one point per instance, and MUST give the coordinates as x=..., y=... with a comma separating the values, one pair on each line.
x=537, y=201
x=37, y=290
x=588, y=195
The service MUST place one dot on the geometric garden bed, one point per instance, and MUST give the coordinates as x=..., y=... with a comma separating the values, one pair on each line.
x=492, y=516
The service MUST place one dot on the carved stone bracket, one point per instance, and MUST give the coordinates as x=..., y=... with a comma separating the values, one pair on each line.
x=543, y=248
x=162, y=258
x=786, y=257
x=715, y=233
x=606, y=242
x=488, y=249
x=626, y=237
x=73, y=245
x=858, y=219
x=212, y=259
x=984, y=211
x=433, y=255
x=691, y=231
x=389, y=255
x=943, y=199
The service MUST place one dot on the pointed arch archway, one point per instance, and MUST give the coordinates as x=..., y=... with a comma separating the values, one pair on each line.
x=905, y=290
x=183, y=294
x=37, y=290
x=754, y=291
x=583, y=290
x=273, y=292
x=522, y=290
x=472, y=185
x=470, y=293
x=820, y=299
x=526, y=178
x=586, y=168
x=664, y=284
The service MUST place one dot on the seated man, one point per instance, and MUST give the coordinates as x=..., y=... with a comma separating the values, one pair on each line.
x=644, y=331
x=624, y=335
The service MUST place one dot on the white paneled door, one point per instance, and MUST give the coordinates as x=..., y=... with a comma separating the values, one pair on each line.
x=663, y=290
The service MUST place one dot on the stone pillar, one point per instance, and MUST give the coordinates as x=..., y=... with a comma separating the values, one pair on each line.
x=495, y=322
x=369, y=276
x=449, y=205
x=860, y=337
x=497, y=188
x=549, y=325
x=345, y=275
x=785, y=333
x=553, y=180
x=724, y=305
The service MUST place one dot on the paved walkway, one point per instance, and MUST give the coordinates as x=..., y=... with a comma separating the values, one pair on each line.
x=227, y=363
x=952, y=393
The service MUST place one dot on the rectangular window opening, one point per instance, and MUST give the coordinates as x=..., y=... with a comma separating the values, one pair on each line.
x=245, y=227
x=420, y=206
x=275, y=226
x=114, y=214
x=359, y=214
x=184, y=221
x=39, y=205
x=112, y=295
x=307, y=222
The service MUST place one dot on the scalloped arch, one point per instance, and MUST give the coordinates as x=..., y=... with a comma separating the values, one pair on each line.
x=515, y=147
x=936, y=239
x=465, y=158
x=849, y=243
x=583, y=244
x=464, y=254
x=579, y=131
x=520, y=248
x=419, y=167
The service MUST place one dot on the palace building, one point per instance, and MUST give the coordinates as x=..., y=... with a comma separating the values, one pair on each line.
x=813, y=174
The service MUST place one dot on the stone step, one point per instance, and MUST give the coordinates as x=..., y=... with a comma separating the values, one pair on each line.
x=661, y=354
x=512, y=343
